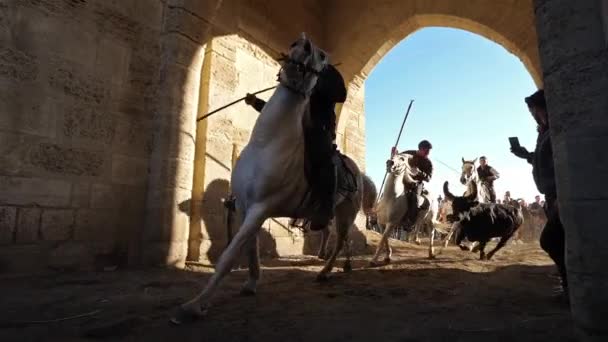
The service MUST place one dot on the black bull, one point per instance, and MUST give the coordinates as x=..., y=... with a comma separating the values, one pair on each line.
x=480, y=222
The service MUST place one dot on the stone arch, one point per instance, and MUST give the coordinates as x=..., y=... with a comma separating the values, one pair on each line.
x=358, y=71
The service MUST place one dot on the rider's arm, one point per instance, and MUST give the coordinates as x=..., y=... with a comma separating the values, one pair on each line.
x=495, y=175
x=258, y=104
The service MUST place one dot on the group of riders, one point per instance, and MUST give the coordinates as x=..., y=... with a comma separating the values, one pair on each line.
x=322, y=155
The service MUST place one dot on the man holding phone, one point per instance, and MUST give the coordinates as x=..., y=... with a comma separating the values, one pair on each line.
x=552, y=239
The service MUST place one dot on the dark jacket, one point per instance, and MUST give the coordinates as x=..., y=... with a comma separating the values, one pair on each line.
x=487, y=174
x=423, y=164
x=542, y=165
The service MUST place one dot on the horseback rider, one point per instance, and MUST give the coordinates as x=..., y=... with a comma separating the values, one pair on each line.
x=319, y=138
x=420, y=160
x=487, y=175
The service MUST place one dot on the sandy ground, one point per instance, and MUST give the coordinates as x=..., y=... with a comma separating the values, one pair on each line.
x=453, y=298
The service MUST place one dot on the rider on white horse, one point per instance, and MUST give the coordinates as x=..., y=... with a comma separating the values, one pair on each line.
x=319, y=141
x=419, y=160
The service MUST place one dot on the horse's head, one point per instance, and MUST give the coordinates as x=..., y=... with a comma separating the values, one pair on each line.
x=301, y=66
x=468, y=167
x=399, y=165
x=460, y=205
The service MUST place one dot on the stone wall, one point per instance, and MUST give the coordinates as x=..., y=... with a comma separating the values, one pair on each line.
x=574, y=56
x=78, y=80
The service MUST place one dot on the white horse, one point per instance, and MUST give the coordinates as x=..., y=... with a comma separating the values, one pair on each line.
x=269, y=179
x=393, y=205
x=468, y=176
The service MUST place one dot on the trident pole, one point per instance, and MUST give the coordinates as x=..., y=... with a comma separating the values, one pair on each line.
x=395, y=147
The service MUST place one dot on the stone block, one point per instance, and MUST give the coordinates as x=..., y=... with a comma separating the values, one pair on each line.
x=169, y=225
x=26, y=109
x=84, y=123
x=129, y=170
x=116, y=25
x=573, y=159
x=132, y=135
x=171, y=141
x=80, y=195
x=26, y=191
x=95, y=225
x=17, y=65
x=8, y=218
x=178, y=49
x=77, y=83
x=54, y=158
x=112, y=61
x=57, y=224
x=104, y=196
x=28, y=225
x=172, y=254
x=177, y=173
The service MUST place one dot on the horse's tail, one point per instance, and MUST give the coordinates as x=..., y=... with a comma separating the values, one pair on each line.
x=369, y=195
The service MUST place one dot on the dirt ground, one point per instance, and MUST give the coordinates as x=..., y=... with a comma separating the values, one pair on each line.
x=453, y=298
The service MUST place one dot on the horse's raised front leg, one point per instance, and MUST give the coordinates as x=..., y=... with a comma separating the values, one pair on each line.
x=197, y=306
x=482, y=252
x=383, y=243
x=323, y=247
x=253, y=255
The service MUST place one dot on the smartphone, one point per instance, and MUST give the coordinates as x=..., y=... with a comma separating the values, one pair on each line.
x=514, y=142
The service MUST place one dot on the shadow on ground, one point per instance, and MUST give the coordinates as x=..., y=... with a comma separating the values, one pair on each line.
x=404, y=301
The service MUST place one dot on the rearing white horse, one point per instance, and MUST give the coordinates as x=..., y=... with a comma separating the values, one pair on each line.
x=269, y=180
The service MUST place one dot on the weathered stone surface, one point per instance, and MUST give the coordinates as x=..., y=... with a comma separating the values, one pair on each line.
x=77, y=83
x=28, y=225
x=89, y=124
x=129, y=170
x=95, y=225
x=80, y=195
x=43, y=192
x=17, y=65
x=103, y=196
x=8, y=217
x=34, y=114
x=115, y=24
x=57, y=224
x=58, y=159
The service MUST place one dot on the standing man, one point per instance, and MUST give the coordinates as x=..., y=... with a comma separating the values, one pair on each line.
x=552, y=239
x=487, y=175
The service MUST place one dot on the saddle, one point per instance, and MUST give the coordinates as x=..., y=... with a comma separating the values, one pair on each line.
x=347, y=182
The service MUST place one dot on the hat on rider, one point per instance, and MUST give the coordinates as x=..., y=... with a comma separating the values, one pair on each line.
x=425, y=144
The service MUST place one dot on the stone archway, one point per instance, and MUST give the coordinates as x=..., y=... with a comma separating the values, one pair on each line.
x=360, y=47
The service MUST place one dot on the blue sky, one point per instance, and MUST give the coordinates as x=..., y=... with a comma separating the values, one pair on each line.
x=468, y=94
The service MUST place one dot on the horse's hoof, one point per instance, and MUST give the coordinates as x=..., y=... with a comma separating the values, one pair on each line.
x=182, y=316
x=463, y=248
x=372, y=264
x=431, y=256
x=322, y=257
x=387, y=261
x=322, y=278
x=347, y=267
x=417, y=242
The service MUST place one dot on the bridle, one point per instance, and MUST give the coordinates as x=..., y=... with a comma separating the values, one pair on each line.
x=300, y=67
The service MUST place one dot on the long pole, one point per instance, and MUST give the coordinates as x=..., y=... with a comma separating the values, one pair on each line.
x=395, y=147
x=232, y=103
